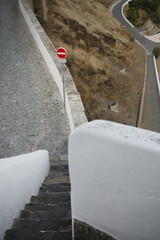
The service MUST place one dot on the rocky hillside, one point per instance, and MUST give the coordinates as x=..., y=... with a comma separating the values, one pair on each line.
x=98, y=49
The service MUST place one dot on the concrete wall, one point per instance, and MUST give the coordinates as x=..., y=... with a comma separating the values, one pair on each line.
x=157, y=75
x=74, y=106
x=115, y=179
x=20, y=178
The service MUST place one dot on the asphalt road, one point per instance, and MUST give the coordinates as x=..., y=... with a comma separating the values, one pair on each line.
x=151, y=114
x=146, y=43
x=32, y=114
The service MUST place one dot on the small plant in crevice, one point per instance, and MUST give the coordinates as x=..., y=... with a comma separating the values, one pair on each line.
x=156, y=52
x=40, y=20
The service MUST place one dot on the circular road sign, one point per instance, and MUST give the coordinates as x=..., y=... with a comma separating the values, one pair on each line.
x=61, y=52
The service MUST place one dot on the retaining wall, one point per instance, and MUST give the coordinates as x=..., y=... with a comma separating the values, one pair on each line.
x=74, y=106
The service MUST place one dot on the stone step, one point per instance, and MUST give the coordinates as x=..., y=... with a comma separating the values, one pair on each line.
x=60, y=157
x=14, y=234
x=51, y=198
x=56, y=184
x=55, y=188
x=57, y=174
x=58, y=224
x=33, y=207
x=57, y=180
x=57, y=213
x=61, y=160
x=63, y=157
x=61, y=168
x=60, y=177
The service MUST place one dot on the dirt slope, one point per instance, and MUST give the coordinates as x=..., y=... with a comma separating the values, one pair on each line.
x=98, y=48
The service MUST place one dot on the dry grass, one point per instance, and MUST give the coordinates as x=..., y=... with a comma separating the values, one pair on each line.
x=98, y=48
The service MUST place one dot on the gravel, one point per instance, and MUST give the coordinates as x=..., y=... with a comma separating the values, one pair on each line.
x=32, y=114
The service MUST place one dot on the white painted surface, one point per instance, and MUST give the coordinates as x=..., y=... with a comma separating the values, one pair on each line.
x=154, y=38
x=115, y=179
x=157, y=75
x=20, y=178
x=123, y=13
x=72, y=97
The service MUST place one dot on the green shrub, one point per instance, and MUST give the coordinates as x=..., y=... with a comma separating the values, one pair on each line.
x=156, y=52
x=41, y=20
x=132, y=16
x=152, y=8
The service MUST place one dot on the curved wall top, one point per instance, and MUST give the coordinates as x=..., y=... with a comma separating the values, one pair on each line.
x=74, y=106
x=114, y=173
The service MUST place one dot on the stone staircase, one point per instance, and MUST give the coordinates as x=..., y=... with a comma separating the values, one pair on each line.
x=48, y=215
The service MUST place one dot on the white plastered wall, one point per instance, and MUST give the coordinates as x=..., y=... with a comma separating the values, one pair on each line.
x=115, y=179
x=20, y=178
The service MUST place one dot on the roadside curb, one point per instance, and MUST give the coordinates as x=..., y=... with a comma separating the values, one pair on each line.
x=123, y=13
x=157, y=75
x=141, y=109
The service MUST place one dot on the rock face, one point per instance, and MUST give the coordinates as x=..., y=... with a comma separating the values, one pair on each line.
x=98, y=48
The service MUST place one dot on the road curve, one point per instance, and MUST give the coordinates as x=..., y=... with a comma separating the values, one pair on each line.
x=151, y=114
x=146, y=43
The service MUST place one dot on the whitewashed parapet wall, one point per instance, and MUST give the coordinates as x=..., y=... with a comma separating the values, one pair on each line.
x=20, y=178
x=74, y=106
x=115, y=179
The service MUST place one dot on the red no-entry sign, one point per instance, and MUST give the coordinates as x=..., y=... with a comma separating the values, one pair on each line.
x=61, y=52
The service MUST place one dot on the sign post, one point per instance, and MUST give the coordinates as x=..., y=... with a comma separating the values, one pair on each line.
x=62, y=53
